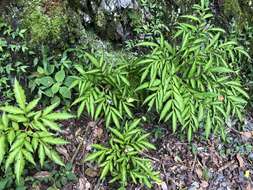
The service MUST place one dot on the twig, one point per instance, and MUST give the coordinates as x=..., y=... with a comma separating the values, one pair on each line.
x=97, y=185
x=169, y=178
x=194, y=163
x=151, y=157
x=76, y=152
x=226, y=166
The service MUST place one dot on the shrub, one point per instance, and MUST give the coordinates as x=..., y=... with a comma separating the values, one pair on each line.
x=123, y=158
x=195, y=81
x=52, y=78
x=104, y=90
x=14, y=58
x=24, y=131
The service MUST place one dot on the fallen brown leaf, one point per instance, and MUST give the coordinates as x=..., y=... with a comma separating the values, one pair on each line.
x=240, y=160
x=63, y=151
x=164, y=186
x=83, y=184
x=91, y=172
x=247, y=134
x=204, y=184
x=42, y=174
x=199, y=173
x=98, y=132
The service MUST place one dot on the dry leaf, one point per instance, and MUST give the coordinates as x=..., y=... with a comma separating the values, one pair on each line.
x=42, y=174
x=63, y=151
x=199, y=173
x=98, y=132
x=240, y=160
x=164, y=186
x=247, y=134
x=204, y=184
x=91, y=172
x=83, y=184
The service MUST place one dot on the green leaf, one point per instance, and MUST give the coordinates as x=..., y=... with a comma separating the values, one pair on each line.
x=56, y=158
x=11, y=136
x=116, y=133
x=32, y=105
x=49, y=109
x=12, y=110
x=42, y=155
x=19, y=166
x=3, y=148
x=52, y=125
x=19, y=95
x=221, y=70
x=28, y=156
x=46, y=81
x=115, y=120
x=54, y=141
x=165, y=109
x=58, y=116
x=11, y=157
x=134, y=124
x=55, y=88
x=147, y=44
x=208, y=126
x=60, y=76
x=92, y=59
x=105, y=170
x=65, y=92
x=93, y=156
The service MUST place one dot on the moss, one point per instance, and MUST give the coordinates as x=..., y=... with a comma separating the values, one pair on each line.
x=240, y=10
x=44, y=19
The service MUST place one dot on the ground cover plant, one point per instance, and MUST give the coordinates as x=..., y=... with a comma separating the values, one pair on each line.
x=148, y=95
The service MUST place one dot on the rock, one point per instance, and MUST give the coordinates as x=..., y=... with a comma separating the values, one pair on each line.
x=250, y=157
x=108, y=5
x=194, y=186
x=86, y=18
x=112, y=5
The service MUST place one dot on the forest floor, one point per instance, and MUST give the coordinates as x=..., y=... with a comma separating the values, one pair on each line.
x=201, y=164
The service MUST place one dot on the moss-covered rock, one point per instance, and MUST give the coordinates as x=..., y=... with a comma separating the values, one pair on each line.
x=44, y=19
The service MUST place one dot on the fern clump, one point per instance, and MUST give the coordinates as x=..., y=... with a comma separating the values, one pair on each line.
x=25, y=132
x=104, y=90
x=194, y=83
x=123, y=158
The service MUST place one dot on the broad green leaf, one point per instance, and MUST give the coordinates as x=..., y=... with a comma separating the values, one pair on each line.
x=93, y=156
x=42, y=155
x=65, y=92
x=54, y=141
x=52, y=125
x=105, y=170
x=19, y=95
x=12, y=110
x=60, y=76
x=19, y=166
x=116, y=133
x=56, y=158
x=11, y=157
x=46, y=81
x=28, y=156
x=49, y=109
x=3, y=147
x=58, y=116
x=32, y=105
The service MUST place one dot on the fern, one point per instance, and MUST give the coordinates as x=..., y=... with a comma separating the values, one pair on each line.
x=195, y=83
x=24, y=132
x=123, y=160
x=104, y=90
